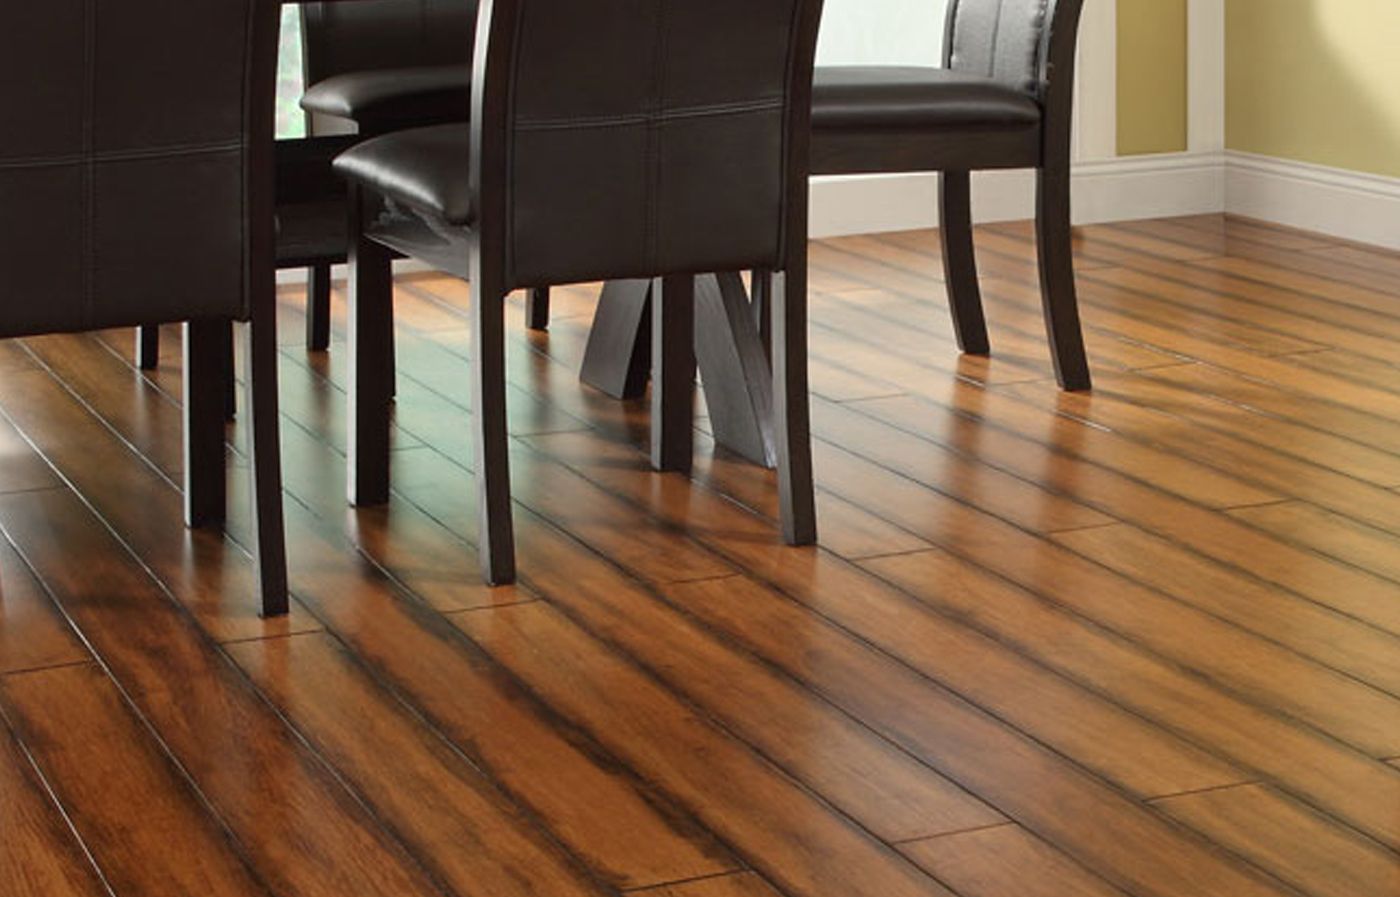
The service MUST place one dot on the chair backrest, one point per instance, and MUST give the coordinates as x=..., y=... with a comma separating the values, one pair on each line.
x=135, y=161
x=363, y=35
x=642, y=137
x=1017, y=42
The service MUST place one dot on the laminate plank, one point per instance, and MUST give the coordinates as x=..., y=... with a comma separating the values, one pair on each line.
x=1326, y=530
x=1005, y=861
x=1290, y=841
x=1368, y=718
x=1185, y=477
x=1311, y=629
x=1100, y=735
x=137, y=814
x=1322, y=579
x=20, y=469
x=463, y=828
x=1158, y=689
x=105, y=383
x=1311, y=328
x=604, y=816
x=1305, y=761
x=617, y=825
x=1143, y=856
x=1306, y=285
x=1203, y=409
x=785, y=832
x=1382, y=372
x=884, y=789
x=1362, y=427
x=1208, y=235
x=40, y=855
x=299, y=828
x=33, y=634
x=212, y=577
x=1117, y=405
x=744, y=884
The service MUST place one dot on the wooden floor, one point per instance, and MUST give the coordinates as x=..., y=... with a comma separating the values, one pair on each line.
x=1140, y=643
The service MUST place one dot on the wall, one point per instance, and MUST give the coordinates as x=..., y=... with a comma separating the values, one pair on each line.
x=1152, y=62
x=1315, y=81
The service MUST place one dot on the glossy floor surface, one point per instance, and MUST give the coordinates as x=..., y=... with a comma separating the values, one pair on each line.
x=1141, y=643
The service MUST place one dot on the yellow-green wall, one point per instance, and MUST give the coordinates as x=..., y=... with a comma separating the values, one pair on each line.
x=1152, y=110
x=1315, y=81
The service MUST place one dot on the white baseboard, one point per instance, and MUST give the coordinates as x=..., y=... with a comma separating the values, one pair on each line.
x=1113, y=190
x=1344, y=204
x=1332, y=201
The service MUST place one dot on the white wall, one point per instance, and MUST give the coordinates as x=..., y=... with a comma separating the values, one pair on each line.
x=888, y=32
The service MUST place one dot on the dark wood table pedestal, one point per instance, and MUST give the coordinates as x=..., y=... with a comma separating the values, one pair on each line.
x=730, y=353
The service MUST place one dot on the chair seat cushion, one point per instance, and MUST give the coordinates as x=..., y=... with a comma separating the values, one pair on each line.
x=425, y=169
x=386, y=99
x=903, y=98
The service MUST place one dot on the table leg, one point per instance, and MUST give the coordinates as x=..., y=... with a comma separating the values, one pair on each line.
x=729, y=351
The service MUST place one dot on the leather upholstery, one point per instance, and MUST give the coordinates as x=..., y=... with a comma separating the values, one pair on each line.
x=1000, y=39
x=911, y=98
x=421, y=168
x=387, y=64
x=382, y=100
x=631, y=151
x=126, y=171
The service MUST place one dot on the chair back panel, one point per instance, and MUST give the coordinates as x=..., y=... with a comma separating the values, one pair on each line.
x=382, y=34
x=128, y=148
x=1004, y=39
x=644, y=137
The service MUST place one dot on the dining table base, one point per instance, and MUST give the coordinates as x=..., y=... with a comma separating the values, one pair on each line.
x=733, y=363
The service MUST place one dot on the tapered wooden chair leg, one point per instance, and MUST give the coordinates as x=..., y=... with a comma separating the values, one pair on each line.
x=371, y=336
x=673, y=373
x=496, y=542
x=791, y=403
x=148, y=347
x=960, y=262
x=537, y=308
x=318, y=308
x=205, y=489
x=269, y=545
x=1054, y=239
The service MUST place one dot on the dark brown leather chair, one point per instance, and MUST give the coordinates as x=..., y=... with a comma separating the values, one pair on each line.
x=379, y=65
x=118, y=213
x=604, y=143
x=1003, y=99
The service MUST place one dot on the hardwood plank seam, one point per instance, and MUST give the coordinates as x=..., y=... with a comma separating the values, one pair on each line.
x=992, y=423
x=975, y=706
x=1095, y=562
x=38, y=776
x=142, y=722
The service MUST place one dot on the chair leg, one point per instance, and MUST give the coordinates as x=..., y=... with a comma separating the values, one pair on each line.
x=960, y=262
x=673, y=373
x=1055, y=243
x=205, y=489
x=318, y=308
x=496, y=539
x=370, y=383
x=537, y=308
x=265, y=460
x=791, y=403
x=148, y=347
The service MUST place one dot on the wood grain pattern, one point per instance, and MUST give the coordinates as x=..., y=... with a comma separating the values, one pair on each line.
x=1142, y=643
x=40, y=854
